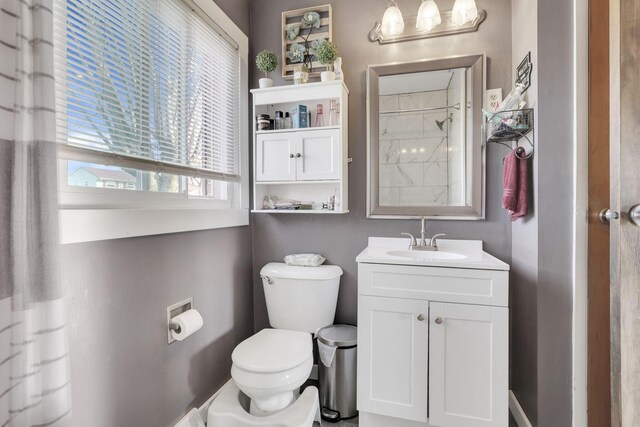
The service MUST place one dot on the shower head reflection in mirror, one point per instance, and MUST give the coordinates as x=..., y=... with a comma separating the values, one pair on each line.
x=440, y=123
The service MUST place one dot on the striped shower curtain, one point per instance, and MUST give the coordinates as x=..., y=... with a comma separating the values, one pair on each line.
x=34, y=362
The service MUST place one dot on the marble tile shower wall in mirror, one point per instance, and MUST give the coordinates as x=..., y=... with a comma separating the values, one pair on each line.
x=422, y=143
x=425, y=154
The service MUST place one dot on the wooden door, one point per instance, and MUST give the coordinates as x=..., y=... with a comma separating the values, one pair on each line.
x=598, y=360
x=275, y=159
x=320, y=155
x=392, y=357
x=625, y=193
x=468, y=365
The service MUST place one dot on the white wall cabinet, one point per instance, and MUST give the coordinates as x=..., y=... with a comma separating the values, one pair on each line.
x=435, y=355
x=306, y=155
x=306, y=164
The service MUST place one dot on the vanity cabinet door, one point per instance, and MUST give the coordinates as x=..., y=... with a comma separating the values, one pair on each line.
x=468, y=365
x=320, y=155
x=276, y=157
x=392, y=357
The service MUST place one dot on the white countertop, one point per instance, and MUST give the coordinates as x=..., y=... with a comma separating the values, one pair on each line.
x=475, y=257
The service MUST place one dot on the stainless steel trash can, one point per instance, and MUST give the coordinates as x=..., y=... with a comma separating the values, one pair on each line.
x=337, y=382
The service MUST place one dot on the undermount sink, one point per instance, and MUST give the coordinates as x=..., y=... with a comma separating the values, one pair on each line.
x=427, y=255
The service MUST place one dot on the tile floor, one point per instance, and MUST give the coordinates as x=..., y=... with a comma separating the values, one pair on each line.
x=353, y=422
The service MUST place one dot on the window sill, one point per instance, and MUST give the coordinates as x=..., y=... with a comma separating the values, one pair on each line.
x=88, y=225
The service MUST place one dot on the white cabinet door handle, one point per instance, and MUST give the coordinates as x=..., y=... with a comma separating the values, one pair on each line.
x=421, y=317
x=439, y=320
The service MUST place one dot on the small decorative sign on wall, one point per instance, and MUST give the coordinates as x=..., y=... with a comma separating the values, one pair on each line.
x=302, y=31
x=523, y=73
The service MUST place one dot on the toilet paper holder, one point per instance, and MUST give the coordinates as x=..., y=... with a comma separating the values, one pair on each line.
x=174, y=310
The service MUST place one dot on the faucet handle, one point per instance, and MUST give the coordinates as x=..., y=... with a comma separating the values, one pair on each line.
x=413, y=242
x=434, y=240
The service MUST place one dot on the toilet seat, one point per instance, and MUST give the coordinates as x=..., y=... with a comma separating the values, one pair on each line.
x=273, y=350
x=270, y=366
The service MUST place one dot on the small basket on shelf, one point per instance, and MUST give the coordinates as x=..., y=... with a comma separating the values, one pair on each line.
x=510, y=126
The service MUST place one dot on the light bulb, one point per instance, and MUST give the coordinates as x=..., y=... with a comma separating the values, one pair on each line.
x=392, y=21
x=464, y=11
x=428, y=16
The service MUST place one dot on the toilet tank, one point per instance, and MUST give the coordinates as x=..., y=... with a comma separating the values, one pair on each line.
x=300, y=298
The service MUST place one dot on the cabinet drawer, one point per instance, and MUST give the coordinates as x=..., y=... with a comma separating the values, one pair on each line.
x=484, y=287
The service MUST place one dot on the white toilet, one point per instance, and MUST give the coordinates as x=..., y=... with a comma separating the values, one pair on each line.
x=270, y=366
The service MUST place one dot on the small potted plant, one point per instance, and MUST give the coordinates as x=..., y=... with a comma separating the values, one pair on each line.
x=266, y=61
x=326, y=53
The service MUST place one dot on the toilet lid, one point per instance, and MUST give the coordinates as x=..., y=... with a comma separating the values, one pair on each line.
x=272, y=350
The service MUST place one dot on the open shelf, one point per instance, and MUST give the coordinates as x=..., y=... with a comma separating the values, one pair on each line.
x=296, y=182
x=299, y=211
x=260, y=132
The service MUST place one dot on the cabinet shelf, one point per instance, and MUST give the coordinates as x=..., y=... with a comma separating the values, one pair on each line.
x=335, y=181
x=274, y=131
x=299, y=211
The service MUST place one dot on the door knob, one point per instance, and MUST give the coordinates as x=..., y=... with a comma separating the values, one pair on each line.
x=421, y=317
x=438, y=320
x=291, y=156
x=298, y=155
x=634, y=215
x=606, y=215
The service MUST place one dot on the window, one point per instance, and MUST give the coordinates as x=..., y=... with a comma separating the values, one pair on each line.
x=152, y=115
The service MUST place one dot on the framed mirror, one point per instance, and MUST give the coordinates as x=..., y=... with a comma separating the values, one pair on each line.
x=425, y=149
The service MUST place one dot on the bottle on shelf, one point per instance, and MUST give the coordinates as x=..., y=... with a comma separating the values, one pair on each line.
x=319, y=116
x=334, y=112
x=288, y=123
x=279, y=120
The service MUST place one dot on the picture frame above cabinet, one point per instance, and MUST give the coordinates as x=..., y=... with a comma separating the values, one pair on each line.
x=301, y=165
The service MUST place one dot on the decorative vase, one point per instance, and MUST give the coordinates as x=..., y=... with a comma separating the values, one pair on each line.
x=327, y=76
x=300, y=74
x=265, y=82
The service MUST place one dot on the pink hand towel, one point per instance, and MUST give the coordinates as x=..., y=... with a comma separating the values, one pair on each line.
x=515, y=196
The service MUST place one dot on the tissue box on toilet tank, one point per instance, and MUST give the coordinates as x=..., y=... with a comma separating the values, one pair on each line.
x=300, y=117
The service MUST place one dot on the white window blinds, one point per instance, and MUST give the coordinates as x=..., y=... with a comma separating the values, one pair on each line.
x=149, y=82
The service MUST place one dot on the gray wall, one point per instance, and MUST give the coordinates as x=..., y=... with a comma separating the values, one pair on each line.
x=341, y=237
x=123, y=372
x=524, y=237
x=555, y=152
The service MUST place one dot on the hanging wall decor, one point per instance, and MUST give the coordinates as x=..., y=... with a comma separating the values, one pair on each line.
x=523, y=72
x=302, y=32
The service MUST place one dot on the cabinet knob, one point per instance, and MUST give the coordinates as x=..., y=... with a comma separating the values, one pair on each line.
x=438, y=320
x=421, y=317
x=291, y=156
x=298, y=155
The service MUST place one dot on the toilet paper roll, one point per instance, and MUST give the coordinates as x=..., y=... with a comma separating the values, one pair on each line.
x=189, y=322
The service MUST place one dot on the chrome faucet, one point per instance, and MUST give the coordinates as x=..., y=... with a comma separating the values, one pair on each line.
x=423, y=245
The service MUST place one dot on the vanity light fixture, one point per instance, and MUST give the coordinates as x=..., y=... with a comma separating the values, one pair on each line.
x=392, y=21
x=428, y=16
x=464, y=11
x=430, y=22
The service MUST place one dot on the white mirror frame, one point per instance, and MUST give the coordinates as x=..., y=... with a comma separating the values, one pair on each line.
x=477, y=209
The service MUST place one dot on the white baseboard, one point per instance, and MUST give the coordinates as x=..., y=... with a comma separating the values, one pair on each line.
x=518, y=413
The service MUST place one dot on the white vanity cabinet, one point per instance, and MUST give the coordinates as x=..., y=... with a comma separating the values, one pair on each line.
x=432, y=345
x=307, y=164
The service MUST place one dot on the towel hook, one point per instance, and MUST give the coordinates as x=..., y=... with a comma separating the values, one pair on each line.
x=521, y=152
